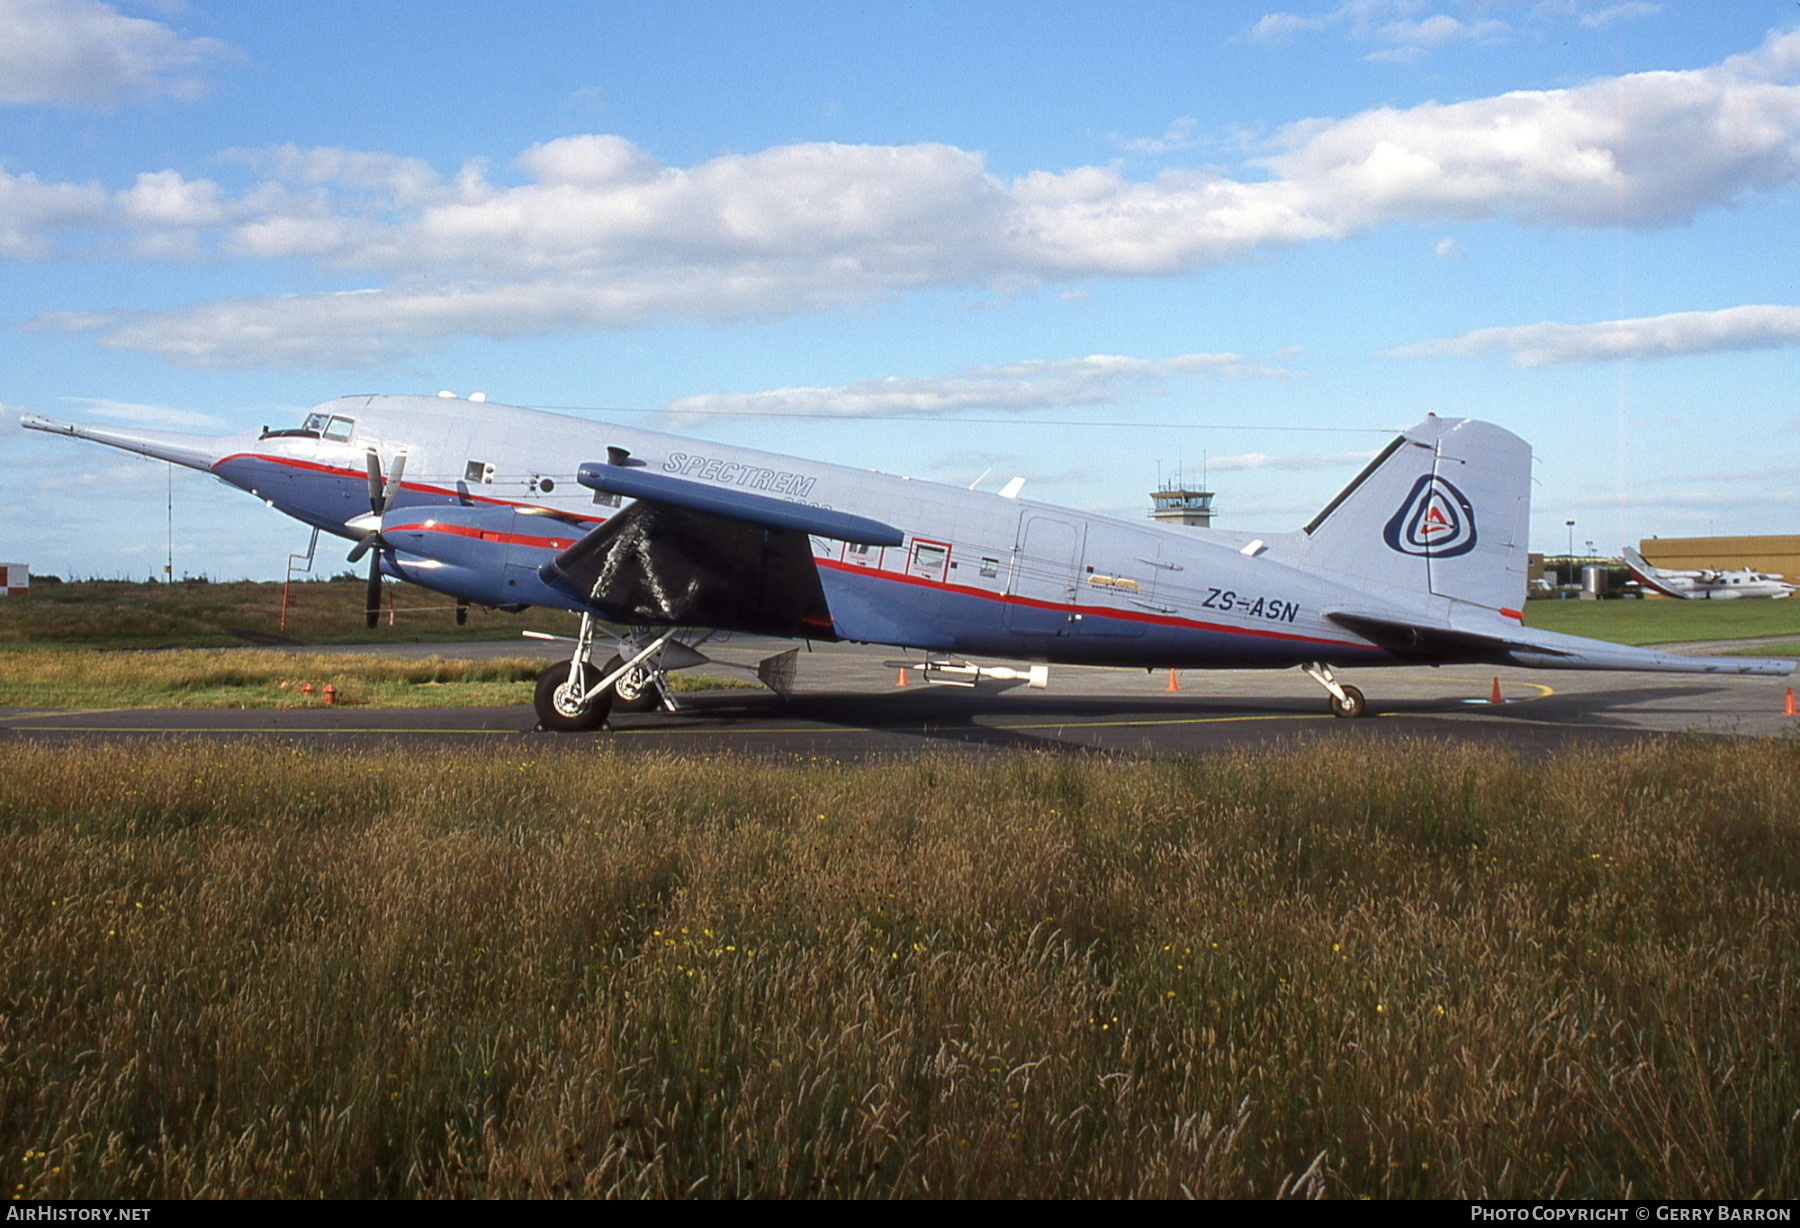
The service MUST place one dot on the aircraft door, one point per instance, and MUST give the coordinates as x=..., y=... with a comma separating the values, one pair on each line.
x=1043, y=590
x=1118, y=571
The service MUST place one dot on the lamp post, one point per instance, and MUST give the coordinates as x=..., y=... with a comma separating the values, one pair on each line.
x=1571, y=577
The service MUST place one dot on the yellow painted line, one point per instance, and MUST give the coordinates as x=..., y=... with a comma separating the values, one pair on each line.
x=1181, y=720
x=1544, y=692
x=693, y=730
x=272, y=729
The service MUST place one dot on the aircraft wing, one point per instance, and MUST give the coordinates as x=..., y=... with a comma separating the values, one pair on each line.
x=635, y=483
x=687, y=553
x=1539, y=649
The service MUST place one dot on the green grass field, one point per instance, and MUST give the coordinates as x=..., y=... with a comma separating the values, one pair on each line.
x=198, y=614
x=1665, y=622
x=264, y=678
x=117, y=613
x=1418, y=971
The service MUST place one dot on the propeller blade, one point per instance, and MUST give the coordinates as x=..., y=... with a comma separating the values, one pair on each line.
x=373, y=604
x=362, y=547
x=375, y=483
x=392, y=489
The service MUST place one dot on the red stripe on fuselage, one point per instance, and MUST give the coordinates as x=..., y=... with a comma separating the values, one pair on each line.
x=1158, y=620
x=421, y=487
x=551, y=543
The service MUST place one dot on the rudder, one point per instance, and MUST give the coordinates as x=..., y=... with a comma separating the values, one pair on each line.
x=1445, y=509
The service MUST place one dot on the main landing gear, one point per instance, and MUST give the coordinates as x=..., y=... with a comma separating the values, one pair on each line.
x=575, y=697
x=1346, y=701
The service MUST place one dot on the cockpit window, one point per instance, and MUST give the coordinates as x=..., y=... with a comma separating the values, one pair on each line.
x=315, y=426
x=339, y=429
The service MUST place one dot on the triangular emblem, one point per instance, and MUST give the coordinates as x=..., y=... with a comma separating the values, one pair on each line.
x=1435, y=521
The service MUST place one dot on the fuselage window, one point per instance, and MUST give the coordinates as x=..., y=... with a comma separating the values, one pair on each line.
x=927, y=557
x=316, y=423
x=338, y=429
x=990, y=568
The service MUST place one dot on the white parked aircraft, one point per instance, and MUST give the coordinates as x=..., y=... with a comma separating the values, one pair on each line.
x=1706, y=584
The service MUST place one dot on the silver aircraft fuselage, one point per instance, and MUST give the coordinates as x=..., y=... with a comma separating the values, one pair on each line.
x=492, y=493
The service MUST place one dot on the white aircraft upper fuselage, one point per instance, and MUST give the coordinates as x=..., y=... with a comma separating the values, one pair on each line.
x=1422, y=559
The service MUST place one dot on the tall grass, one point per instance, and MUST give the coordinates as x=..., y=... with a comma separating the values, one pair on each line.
x=1423, y=971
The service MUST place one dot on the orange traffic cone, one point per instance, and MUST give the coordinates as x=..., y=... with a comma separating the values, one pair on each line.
x=330, y=695
x=1496, y=697
x=1791, y=710
x=902, y=680
x=1174, y=682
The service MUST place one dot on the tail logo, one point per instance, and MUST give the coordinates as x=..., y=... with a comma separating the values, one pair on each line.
x=1436, y=521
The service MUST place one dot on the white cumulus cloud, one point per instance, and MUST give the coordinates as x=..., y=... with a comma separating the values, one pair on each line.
x=592, y=232
x=81, y=53
x=1764, y=327
x=1010, y=388
x=1262, y=460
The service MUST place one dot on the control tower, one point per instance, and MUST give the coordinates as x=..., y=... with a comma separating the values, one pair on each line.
x=1174, y=503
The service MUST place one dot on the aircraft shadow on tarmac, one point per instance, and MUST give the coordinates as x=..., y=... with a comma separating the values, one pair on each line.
x=995, y=719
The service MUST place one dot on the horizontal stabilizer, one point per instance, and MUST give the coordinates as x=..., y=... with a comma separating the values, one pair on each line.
x=1404, y=638
x=1541, y=649
x=737, y=504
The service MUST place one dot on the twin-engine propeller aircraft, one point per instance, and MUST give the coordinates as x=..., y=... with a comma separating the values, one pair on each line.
x=1706, y=584
x=1421, y=559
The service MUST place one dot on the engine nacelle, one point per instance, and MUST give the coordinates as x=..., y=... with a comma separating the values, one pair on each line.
x=488, y=554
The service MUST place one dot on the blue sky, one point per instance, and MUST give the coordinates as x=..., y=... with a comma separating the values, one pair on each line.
x=1073, y=242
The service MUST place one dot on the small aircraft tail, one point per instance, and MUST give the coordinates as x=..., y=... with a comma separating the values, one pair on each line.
x=1647, y=575
x=1444, y=509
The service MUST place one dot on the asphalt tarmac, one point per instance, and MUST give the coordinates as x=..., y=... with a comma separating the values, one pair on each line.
x=847, y=706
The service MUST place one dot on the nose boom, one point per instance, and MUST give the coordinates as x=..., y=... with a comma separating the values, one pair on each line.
x=194, y=451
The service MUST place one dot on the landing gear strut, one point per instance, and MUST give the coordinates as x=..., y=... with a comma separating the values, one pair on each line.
x=1346, y=701
x=576, y=698
x=638, y=689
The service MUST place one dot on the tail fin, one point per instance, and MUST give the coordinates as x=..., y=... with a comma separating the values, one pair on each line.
x=1444, y=509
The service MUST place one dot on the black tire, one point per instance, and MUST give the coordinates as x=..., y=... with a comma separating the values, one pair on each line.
x=636, y=691
x=1352, y=705
x=556, y=717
